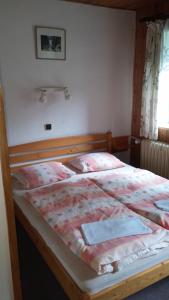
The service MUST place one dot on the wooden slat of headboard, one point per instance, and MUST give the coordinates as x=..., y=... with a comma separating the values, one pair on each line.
x=57, y=152
x=59, y=149
x=59, y=142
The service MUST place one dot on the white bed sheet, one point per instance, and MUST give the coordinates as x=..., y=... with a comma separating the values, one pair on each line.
x=81, y=273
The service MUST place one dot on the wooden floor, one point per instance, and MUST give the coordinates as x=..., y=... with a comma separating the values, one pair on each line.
x=38, y=283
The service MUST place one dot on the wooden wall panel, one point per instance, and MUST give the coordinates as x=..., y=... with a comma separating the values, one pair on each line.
x=159, y=7
x=140, y=42
x=163, y=135
x=120, y=143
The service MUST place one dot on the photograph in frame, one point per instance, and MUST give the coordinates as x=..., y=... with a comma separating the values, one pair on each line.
x=51, y=43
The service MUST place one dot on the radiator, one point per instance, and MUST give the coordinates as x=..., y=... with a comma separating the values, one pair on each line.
x=155, y=157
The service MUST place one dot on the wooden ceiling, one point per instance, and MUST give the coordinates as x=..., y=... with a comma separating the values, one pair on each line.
x=121, y=4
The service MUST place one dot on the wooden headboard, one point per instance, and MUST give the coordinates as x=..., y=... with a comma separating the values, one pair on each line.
x=60, y=149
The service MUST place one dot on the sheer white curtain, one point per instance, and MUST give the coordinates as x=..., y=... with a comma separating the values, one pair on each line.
x=149, y=126
x=163, y=91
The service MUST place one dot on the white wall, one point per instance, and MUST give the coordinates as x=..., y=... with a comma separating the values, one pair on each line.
x=6, y=292
x=98, y=69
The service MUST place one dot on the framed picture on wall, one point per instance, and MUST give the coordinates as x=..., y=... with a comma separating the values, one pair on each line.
x=50, y=43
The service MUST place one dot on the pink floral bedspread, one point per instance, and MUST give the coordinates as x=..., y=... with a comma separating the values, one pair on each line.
x=65, y=206
x=139, y=190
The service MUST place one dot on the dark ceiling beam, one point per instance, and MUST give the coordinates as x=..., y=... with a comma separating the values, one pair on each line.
x=120, y=4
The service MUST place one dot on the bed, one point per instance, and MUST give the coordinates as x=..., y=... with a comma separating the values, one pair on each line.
x=79, y=281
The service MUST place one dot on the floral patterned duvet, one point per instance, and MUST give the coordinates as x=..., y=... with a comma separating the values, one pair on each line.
x=67, y=205
x=139, y=190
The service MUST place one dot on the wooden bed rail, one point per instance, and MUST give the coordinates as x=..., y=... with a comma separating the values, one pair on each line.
x=4, y=164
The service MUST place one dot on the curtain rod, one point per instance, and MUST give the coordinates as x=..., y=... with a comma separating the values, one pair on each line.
x=154, y=18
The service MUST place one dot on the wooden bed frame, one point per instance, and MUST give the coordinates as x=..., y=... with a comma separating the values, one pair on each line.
x=61, y=149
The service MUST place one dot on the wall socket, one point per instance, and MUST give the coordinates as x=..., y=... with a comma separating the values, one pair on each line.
x=48, y=126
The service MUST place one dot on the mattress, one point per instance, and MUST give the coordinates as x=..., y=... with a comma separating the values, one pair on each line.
x=81, y=273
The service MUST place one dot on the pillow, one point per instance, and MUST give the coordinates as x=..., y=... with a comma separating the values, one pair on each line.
x=41, y=174
x=92, y=162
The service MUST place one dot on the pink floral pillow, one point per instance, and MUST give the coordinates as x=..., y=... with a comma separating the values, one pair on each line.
x=92, y=162
x=41, y=174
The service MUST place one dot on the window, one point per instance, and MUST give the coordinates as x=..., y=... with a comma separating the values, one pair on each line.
x=163, y=89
